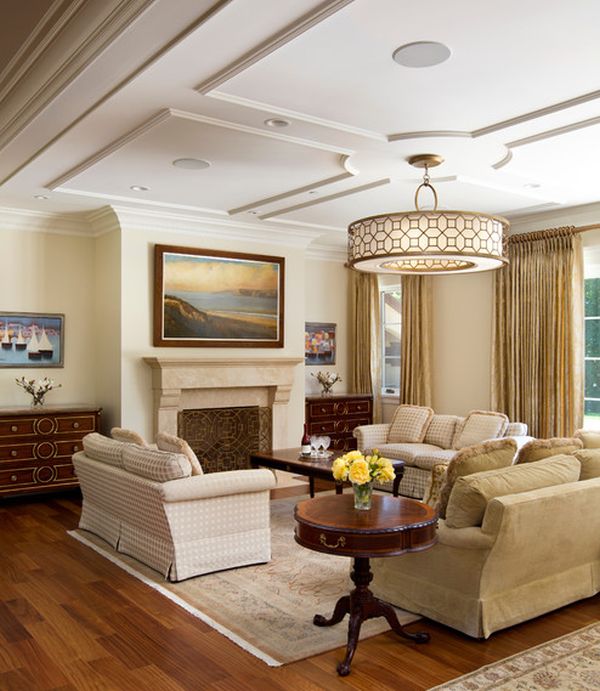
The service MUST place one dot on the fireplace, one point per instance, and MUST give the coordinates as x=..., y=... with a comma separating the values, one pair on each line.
x=192, y=387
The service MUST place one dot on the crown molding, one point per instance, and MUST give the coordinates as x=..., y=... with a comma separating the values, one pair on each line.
x=328, y=252
x=582, y=214
x=27, y=220
x=225, y=228
x=271, y=44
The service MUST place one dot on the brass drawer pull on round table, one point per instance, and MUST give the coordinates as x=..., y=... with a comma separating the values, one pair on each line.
x=341, y=541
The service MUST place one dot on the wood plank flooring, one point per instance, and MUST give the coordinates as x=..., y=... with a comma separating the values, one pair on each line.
x=70, y=619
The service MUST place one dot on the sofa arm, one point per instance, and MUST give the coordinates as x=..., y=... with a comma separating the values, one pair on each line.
x=371, y=436
x=464, y=538
x=222, y=484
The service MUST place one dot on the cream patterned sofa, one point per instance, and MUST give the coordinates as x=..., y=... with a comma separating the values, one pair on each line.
x=423, y=439
x=516, y=542
x=145, y=503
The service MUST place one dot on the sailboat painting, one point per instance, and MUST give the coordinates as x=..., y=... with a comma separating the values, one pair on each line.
x=30, y=339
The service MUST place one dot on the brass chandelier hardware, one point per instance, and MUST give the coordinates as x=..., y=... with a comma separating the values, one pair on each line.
x=427, y=241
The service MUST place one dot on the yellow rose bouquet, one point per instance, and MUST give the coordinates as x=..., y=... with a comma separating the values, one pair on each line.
x=361, y=471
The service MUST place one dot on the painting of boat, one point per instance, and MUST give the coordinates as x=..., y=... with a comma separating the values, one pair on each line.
x=31, y=339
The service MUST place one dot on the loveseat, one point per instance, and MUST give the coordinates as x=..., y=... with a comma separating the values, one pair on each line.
x=424, y=439
x=145, y=503
x=516, y=542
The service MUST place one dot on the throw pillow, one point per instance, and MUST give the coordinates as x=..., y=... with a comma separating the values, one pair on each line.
x=432, y=493
x=409, y=424
x=441, y=431
x=536, y=449
x=590, y=463
x=490, y=455
x=471, y=494
x=479, y=426
x=590, y=438
x=169, y=442
x=160, y=466
x=127, y=435
x=104, y=449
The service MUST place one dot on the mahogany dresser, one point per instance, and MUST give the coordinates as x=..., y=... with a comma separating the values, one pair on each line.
x=36, y=445
x=336, y=415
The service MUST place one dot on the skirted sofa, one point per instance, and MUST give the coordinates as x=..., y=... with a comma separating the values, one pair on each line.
x=424, y=439
x=150, y=504
x=513, y=543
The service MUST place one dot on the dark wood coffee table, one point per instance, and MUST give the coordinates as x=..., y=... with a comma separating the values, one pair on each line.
x=292, y=461
x=391, y=527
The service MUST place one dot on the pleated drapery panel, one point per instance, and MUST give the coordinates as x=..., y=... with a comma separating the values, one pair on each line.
x=538, y=327
x=416, y=340
x=365, y=338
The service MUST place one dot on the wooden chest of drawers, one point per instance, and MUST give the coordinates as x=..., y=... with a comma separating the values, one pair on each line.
x=36, y=445
x=336, y=415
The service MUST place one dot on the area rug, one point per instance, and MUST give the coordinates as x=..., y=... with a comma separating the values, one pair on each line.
x=568, y=663
x=267, y=609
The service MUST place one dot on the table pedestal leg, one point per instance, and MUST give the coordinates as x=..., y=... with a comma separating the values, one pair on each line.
x=361, y=604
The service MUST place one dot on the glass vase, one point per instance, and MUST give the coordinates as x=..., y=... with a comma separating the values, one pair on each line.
x=362, y=496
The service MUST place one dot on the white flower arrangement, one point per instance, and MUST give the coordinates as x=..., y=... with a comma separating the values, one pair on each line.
x=38, y=388
x=326, y=379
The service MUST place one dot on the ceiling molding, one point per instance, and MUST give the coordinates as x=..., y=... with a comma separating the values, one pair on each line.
x=321, y=251
x=297, y=115
x=27, y=220
x=143, y=219
x=555, y=132
x=401, y=136
x=81, y=55
x=503, y=161
x=164, y=115
x=291, y=193
x=328, y=198
x=271, y=44
x=218, y=5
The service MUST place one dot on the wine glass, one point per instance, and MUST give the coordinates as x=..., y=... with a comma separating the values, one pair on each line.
x=325, y=442
x=315, y=444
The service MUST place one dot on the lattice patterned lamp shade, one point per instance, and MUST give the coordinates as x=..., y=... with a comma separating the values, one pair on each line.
x=427, y=242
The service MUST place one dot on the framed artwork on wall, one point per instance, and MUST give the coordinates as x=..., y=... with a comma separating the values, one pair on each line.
x=29, y=339
x=206, y=298
x=319, y=343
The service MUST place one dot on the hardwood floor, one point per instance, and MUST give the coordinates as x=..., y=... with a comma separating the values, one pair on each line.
x=70, y=619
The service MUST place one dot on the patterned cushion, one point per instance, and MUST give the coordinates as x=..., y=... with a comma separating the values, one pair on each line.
x=409, y=424
x=407, y=452
x=438, y=477
x=127, y=435
x=537, y=449
x=441, y=431
x=516, y=429
x=102, y=448
x=159, y=466
x=590, y=463
x=471, y=494
x=479, y=426
x=589, y=437
x=490, y=455
x=169, y=442
x=428, y=461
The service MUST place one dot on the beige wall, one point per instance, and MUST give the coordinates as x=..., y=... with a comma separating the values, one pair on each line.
x=48, y=272
x=137, y=296
x=326, y=300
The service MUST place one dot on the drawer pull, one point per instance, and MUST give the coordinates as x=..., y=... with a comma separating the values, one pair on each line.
x=75, y=448
x=341, y=541
x=14, y=428
x=13, y=478
x=323, y=410
x=358, y=407
x=75, y=425
x=14, y=453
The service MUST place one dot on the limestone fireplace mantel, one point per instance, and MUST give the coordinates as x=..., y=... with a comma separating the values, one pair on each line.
x=184, y=383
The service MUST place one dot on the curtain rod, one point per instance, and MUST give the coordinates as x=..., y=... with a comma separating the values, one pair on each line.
x=551, y=233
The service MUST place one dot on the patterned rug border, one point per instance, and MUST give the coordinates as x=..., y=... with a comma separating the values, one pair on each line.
x=178, y=601
x=506, y=660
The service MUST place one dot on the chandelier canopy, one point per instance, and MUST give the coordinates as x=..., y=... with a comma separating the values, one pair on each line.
x=427, y=242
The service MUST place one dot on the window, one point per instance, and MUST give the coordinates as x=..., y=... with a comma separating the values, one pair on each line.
x=592, y=354
x=391, y=326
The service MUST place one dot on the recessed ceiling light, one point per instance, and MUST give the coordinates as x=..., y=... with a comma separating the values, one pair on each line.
x=276, y=122
x=313, y=192
x=41, y=196
x=421, y=54
x=532, y=185
x=253, y=212
x=191, y=163
x=139, y=188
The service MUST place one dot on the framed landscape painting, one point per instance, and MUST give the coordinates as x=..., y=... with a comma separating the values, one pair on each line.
x=206, y=298
x=319, y=343
x=30, y=339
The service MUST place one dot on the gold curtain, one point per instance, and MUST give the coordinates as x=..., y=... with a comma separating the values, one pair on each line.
x=415, y=341
x=538, y=327
x=365, y=339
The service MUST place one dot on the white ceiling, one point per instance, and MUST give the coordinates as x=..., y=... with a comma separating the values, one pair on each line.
x=97, y=97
